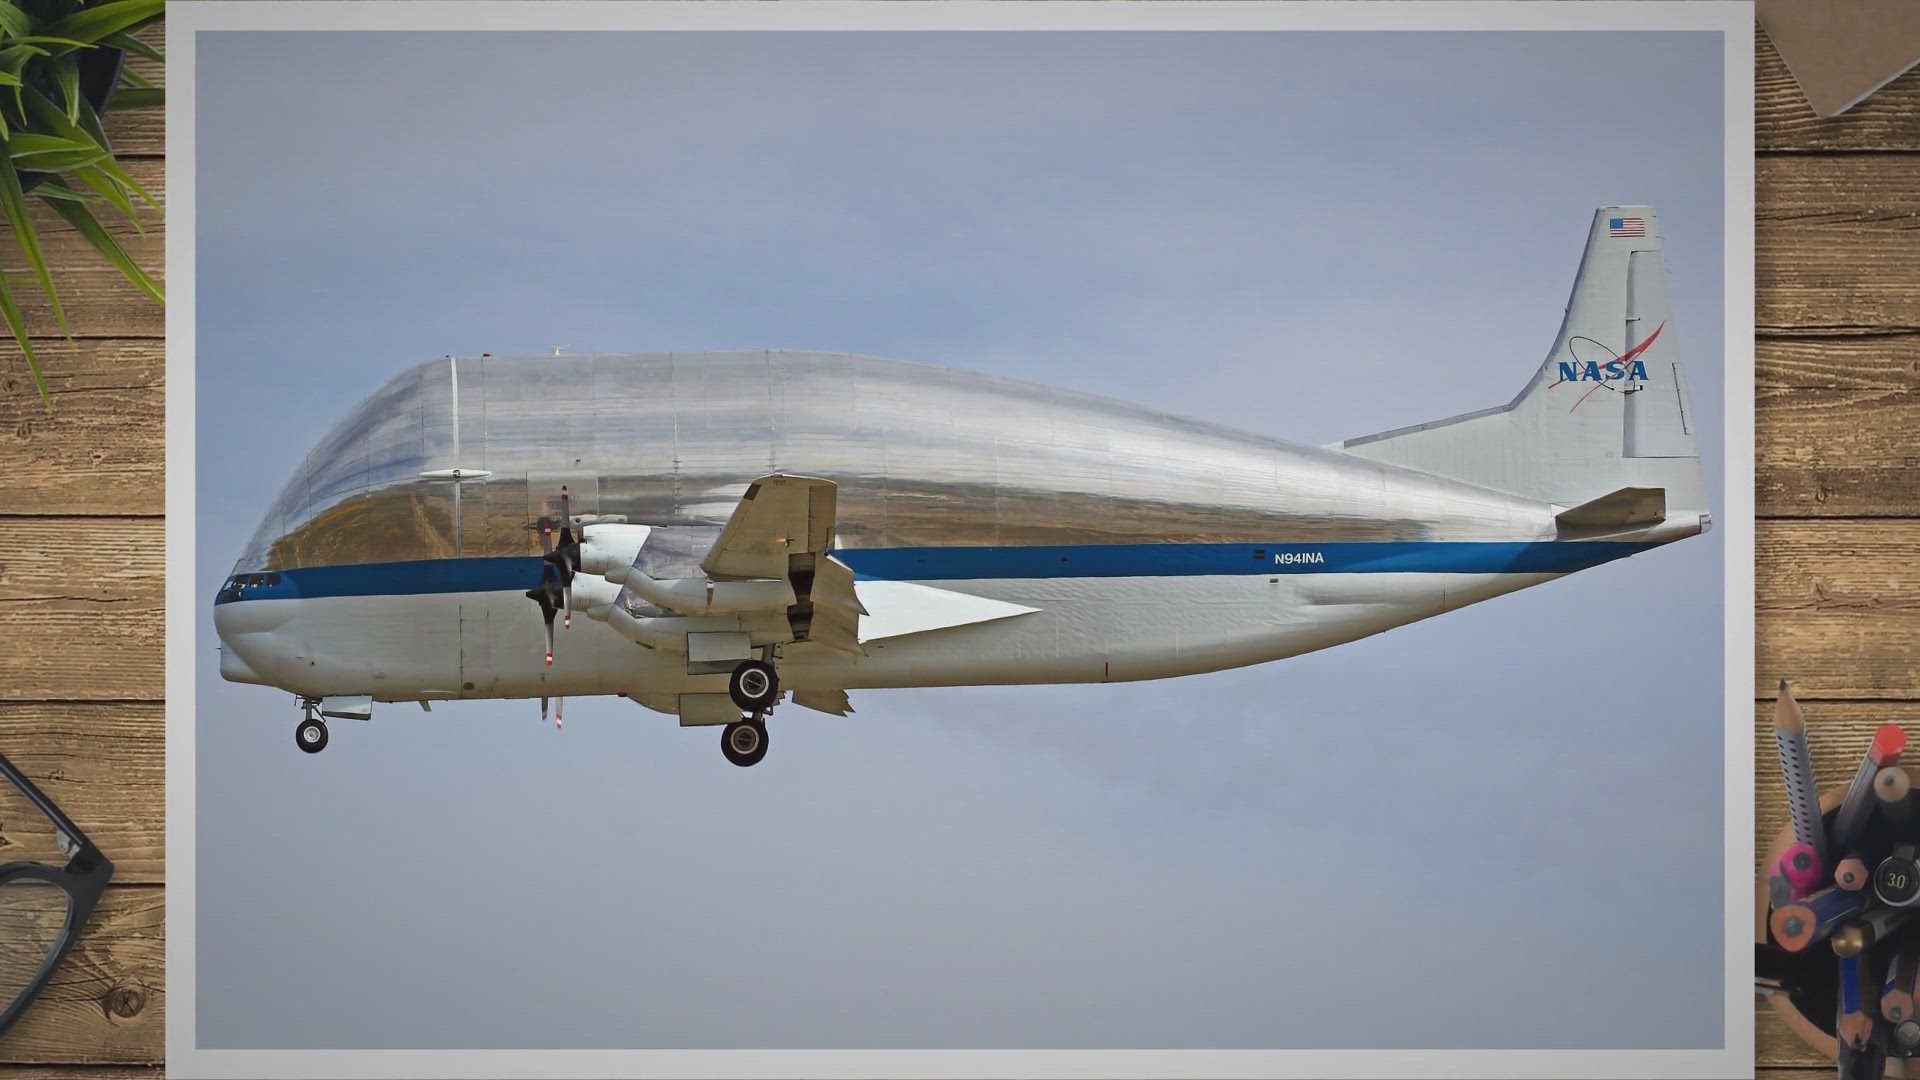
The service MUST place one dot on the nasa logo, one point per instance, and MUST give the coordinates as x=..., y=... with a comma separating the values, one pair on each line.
x=1591, y=371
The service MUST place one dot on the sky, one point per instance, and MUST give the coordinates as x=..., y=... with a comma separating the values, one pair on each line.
x=1502, y=828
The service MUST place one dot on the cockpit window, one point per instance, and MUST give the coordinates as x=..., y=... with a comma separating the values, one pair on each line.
x=273, y=579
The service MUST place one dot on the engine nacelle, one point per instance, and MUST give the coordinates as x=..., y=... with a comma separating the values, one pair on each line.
x=609, y=549
x=698, y=596
x=594, y=595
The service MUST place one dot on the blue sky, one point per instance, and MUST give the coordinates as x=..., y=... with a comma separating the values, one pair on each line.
x=1507, y=821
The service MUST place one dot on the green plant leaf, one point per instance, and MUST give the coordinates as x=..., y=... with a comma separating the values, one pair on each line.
x=39, y=108
x=34, y=152
x=139, y=98
x=133, y=45
x=53, y=190
x=103, y=185
x=11, y=311
x=14, y=23
x=87, y=225
x=61, y=46
x=14, y=58
x=33, y=142
x=66, y=75
x=14, y=202
x=92, y=23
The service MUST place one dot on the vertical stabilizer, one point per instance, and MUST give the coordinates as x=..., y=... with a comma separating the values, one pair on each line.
x=1606, y=410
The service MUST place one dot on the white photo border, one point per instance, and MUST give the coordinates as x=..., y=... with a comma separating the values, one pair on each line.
x=1732, y=18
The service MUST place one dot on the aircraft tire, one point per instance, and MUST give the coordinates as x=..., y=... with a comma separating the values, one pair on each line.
x=754, y=686
x=311, y=735
x=744, y=743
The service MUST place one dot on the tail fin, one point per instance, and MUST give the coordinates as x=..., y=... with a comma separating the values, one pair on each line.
x=1607, y=410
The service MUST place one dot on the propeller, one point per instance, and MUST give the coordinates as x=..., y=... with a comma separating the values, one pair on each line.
x=554, y=593
x=566, y=557
x=559, y=707
x=548, y=595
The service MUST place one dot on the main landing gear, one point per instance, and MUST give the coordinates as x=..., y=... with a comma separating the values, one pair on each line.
x=744, y=742
x=311, y=735
x=755, y=687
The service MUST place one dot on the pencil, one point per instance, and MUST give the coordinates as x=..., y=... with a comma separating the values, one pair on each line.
x=1801, y=867
x=1860, y=935
x=1855, y=1027
x=1896, y=991
x=1796, y=769
x=1850, y=873
x=1859, y=801
x=1811, y=919
x=1891, y=786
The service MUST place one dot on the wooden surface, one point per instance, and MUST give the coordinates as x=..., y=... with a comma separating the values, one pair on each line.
x=80, y=666
x=1837, y=422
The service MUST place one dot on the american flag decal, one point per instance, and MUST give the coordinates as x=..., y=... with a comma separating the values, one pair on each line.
x=1626, y=226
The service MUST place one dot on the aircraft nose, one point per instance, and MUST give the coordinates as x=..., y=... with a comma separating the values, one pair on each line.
x=251, y=623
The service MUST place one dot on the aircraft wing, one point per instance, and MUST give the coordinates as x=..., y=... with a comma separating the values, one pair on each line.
x=780, y=516
x=775, y=553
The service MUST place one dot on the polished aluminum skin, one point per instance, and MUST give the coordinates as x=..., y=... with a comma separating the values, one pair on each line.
x=923, y=455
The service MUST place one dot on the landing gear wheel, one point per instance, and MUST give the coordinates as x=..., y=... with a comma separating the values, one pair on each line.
x=311, y=735
x=754, y=686
x=744, y=743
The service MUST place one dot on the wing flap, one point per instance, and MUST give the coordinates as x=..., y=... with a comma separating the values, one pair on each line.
x=831, y=702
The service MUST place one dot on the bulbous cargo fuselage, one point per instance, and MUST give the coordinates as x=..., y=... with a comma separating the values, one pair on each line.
x=394, y=562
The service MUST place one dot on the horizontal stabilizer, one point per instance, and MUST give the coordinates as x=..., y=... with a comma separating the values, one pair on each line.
x=1625, y=508
x=832, y=702
x=896, y=608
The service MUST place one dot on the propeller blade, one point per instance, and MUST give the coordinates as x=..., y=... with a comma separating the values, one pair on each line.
x=559, y=708
x=566, y=517
x=544, y=595
x=543, y=710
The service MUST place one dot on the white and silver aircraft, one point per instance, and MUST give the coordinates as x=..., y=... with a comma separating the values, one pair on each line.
x=715, y=532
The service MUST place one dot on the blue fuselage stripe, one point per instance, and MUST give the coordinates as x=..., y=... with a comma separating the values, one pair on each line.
x=519, y=573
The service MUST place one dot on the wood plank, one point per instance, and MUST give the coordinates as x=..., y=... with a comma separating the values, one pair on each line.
x=1784, y=122
x=1834, y=244
x=107, y=1001
x=101, y=449
x=1838, y=608
x=104, y=764
x=98, y=301
x=1889, y=361
x=149, y=173
x=81, y=628
x=65, y=1071
x=1837, y=452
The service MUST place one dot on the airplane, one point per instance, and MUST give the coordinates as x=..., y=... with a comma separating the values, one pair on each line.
x=716, y=533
